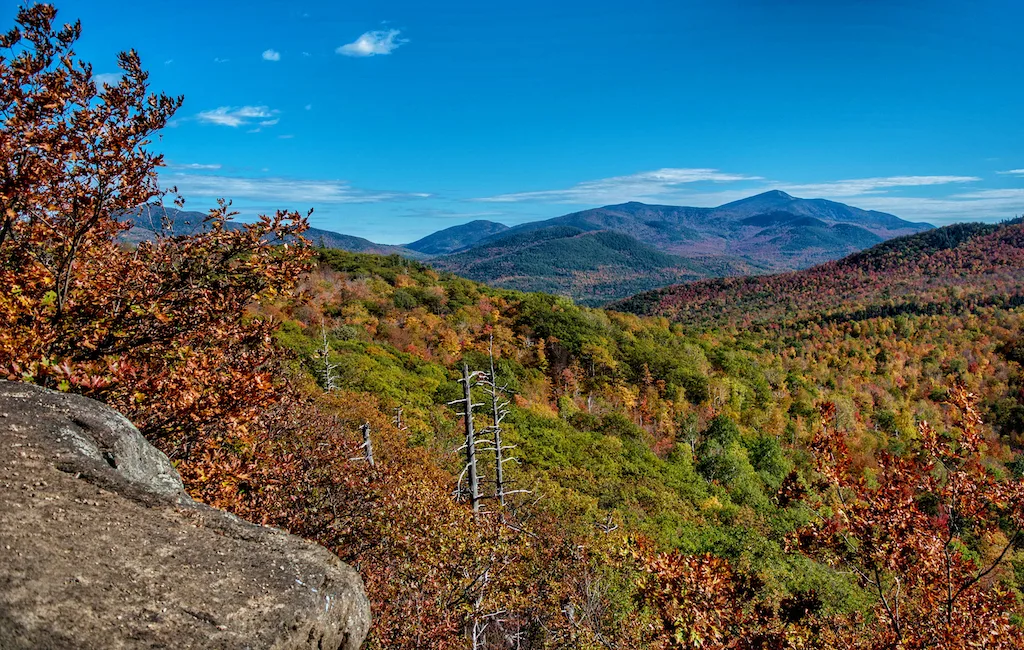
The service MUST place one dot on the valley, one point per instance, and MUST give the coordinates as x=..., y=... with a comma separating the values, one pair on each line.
x=610, y=253
x=780, y=423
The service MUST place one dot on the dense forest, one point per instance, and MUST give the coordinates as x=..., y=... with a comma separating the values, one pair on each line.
x=831, y=458
x=947, y=270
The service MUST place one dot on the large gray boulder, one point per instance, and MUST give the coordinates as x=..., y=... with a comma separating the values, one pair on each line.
x=100, y=547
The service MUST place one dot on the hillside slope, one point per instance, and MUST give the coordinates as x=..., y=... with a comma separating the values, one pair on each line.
x=937, y=270
x=731, y=228
x=184, y=222
x=591, y=266
x=456, y=238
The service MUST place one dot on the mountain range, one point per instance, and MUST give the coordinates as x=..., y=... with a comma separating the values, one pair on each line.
x=149, y=220
x=604, y=254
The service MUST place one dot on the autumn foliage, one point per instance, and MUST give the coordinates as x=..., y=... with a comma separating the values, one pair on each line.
x=926, y=532
x=155, y=331
x=678, y=487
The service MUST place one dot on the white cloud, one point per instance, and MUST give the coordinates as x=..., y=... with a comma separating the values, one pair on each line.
x=1013, y=172
x=109, y=78
x=373, y=43
x=280, y=190
x=658, y=184
x=217, y=59
x=865, y=186
x=1011, y=193
x=269, y=122
x=271, y=55
x=434, y=213
x=981, y=205
x=887, y=194
x=197, y=166
x=235, y=116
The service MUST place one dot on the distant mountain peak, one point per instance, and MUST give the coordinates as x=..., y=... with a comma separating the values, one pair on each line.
x=769, y=198
x=457, y=237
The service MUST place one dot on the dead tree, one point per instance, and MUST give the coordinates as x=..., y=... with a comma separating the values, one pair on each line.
x=470, y=471
x=367, y=446
x=398, y=419
x=499, y=409
x=327, y=370
x=608, y=526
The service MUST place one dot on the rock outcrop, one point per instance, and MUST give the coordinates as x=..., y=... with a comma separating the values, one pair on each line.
x=100, y=547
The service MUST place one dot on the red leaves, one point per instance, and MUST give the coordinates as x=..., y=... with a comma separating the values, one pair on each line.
x=913, y=537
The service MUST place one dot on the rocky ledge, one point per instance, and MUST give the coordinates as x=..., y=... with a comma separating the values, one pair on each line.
x=100, y=547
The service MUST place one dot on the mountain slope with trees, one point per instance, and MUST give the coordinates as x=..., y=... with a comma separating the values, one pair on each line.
x=597, y=265
x=455, y=238
x=769, y=232
x=942, y=270
x=815, y=482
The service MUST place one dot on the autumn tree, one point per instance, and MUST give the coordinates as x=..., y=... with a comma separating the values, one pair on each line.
x=158, y=331
x=927, y=533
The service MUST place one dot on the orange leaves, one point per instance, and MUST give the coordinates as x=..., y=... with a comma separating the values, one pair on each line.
x=922, y=535
x=694, y=597
x=159, y=332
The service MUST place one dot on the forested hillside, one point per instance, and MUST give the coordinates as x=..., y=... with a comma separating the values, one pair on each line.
x=453, y=239
x=697, y=438
x=946, y=271
x=802, y=482
x=595, y=266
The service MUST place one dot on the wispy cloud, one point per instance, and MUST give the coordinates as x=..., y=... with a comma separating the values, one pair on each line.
x=879, y=185
x=373, y=43
x=195, y=166
x=217, y=59
x=1010, y=193
x=1013, y=172
x=235, y=116
x=280, y=190
x=109, y=78
x=658, y=184
x=435, y=213
x=271, y=55
x=981, y=205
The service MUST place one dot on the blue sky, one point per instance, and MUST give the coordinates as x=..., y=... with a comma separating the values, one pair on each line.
x=396, y=118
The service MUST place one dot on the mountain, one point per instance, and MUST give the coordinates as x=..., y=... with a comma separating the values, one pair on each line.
x=731, y=230
x=604, y=254
x=593, y=266
x=769, y=232
x=777, y=200
x=149, y=220
x=950, y=268
x=456, y=238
